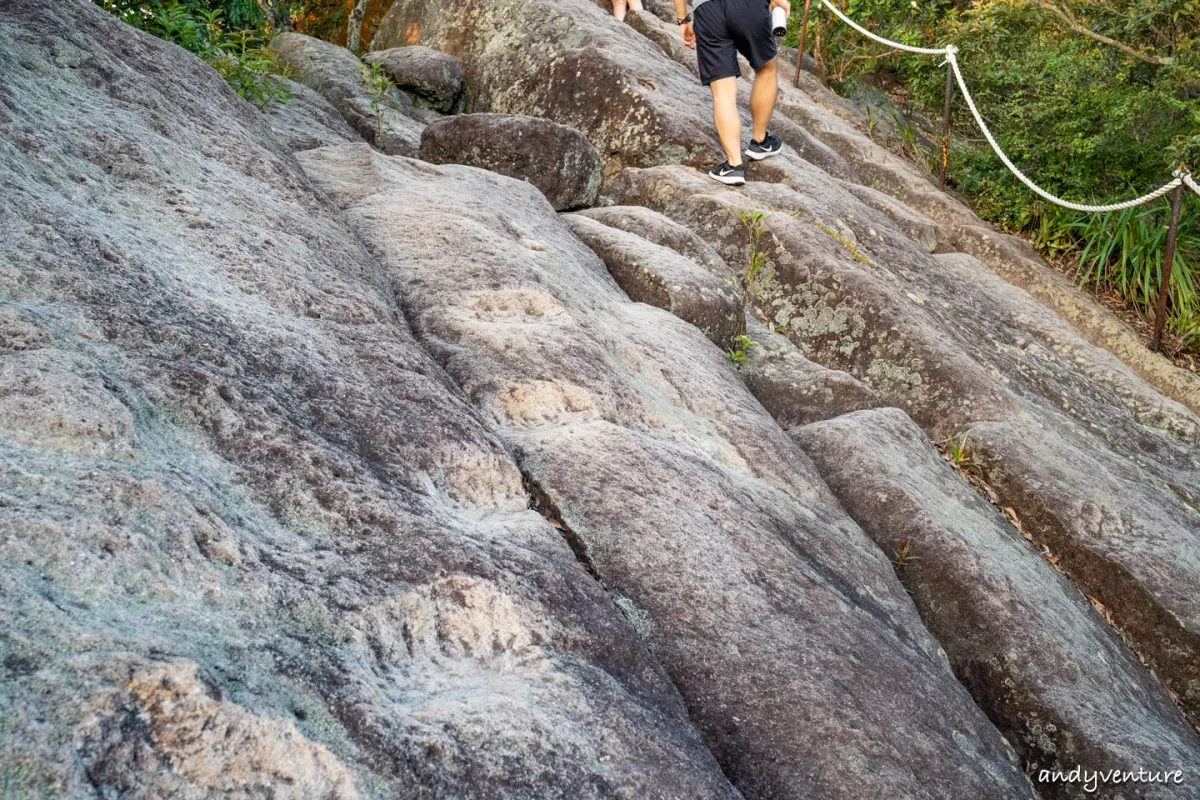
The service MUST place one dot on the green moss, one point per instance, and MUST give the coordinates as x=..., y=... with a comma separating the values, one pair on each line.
x=845, y=242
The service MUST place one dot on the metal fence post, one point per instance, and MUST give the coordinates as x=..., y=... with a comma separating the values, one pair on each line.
x=946, y=128
x=1168, y=271
x=803, y=40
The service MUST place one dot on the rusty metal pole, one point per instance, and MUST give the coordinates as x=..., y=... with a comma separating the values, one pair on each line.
x=803, y=40
x=1168, y=269
x=946, y=126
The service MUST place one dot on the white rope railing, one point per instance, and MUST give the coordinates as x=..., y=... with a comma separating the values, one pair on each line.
x=1190, y=182
x=925, y=51
x=951, y=53
x=952, y=59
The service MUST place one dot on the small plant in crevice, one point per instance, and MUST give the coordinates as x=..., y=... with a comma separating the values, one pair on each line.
x=957, y=453
x=756, y=268
x=379, y=90
x=910, y=137
x=904, y=556
x=740, y=351
x=872, y=122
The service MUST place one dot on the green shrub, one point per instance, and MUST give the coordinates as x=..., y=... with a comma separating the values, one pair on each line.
x=231, y=36
x=379, y=90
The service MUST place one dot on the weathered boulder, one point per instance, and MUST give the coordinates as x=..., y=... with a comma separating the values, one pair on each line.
x=1045, y=666
x=308, y=120
x=915, y=225
x=794, y=390
x=558, y=160
x=660, y=229
x=1105, y=467
x=653, y=274
x=569, y=61
x=1018, y=263
x=390, y=123
x=384, y=128
x=661, y=32
x=253, y=541
x=801, y=660
x=434, y=78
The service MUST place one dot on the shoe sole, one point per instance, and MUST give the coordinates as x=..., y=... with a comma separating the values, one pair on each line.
x=762, y=155
x=729, y=180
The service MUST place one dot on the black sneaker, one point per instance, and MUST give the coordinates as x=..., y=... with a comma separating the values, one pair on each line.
x=769, y=146
x=730, y=176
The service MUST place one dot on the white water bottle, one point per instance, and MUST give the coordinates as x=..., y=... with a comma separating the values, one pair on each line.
x=779, y=22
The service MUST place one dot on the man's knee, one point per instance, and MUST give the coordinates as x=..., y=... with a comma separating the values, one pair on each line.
x=724, y=88
x=768, y=68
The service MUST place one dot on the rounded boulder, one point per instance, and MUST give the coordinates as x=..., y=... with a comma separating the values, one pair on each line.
x=431, y=77
x=558, y=160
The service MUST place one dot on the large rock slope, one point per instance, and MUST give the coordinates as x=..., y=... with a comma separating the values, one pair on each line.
x=1056, y=678
x=1097, y=465
x=253, y=542
x=1103, y=469
x=260, y=538
x=801, y=659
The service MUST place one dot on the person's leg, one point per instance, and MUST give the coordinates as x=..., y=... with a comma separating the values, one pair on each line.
x=619, y=8
x=725, y=114
x=762, y=97
x=636, y=5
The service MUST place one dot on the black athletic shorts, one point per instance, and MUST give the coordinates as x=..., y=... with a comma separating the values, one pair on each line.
x=725, y=28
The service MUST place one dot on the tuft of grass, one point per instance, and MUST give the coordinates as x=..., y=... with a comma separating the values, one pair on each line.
x=957, y=453
x=845, y=242
x=904, y=556
x=1123, y=251
x=752, y=220
x=910, y=138
x=740, y=352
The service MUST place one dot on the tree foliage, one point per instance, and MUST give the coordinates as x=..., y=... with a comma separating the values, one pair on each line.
x=231, y=35
x=1096, y=100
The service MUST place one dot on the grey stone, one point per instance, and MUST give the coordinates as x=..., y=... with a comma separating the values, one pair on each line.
x=653, y=274
x=308, y=120
x=390, y=123
x=253, y=541
x=1036, y=656
x=802, y=662
x=435, y=78
x=915, y=225
x=660, y=229
x=794, y=390
x=569, y=61
x=558, y=160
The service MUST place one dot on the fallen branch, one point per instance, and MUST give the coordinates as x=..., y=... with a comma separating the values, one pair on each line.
x=1065, y=14
x=844, y=67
